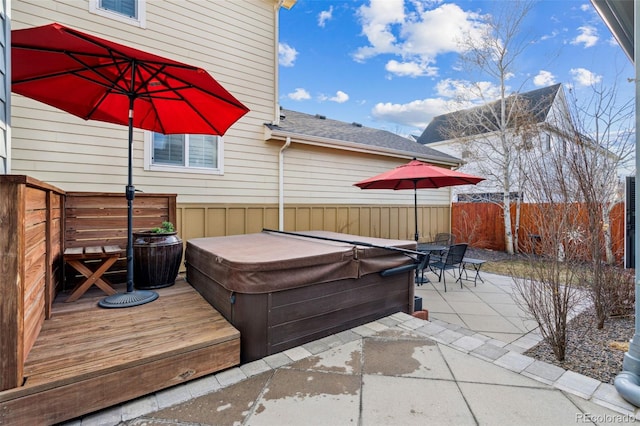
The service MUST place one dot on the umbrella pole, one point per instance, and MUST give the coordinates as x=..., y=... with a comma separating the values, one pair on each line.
x=131, y=297
x=130, y=192
x=415, y=207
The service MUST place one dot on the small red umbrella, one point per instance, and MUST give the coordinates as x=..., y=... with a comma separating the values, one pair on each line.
x=97, y=79
x=415, y=175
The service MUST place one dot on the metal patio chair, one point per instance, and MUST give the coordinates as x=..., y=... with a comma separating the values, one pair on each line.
x=452, y=260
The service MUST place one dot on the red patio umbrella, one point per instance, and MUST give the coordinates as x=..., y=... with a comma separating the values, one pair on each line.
x=415, y=175
x=97, y=79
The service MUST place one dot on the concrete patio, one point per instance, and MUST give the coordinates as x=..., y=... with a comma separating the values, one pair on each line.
x=488, y=308
x=464, y=366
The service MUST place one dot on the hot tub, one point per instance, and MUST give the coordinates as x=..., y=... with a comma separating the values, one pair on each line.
x=281, y=291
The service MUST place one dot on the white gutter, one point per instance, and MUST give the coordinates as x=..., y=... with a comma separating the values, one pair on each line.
x=281, y=184
x=271, y=134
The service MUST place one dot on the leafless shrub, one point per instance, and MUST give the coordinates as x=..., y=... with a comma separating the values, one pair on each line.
x=610, y=288
x=622, y=291
x=468, y=230
x=549, y=293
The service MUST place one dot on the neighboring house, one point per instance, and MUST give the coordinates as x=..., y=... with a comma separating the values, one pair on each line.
x=471, y=135
x=295, y=172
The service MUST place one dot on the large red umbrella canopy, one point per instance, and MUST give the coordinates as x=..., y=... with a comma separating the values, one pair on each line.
x=416, y=175
x=97, y=79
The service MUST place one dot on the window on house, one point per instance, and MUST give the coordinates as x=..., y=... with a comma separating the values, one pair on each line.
x=129, y=11
x=184, y=153
x=546, y=142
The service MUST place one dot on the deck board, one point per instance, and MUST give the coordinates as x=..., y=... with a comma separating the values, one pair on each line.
x=83, y=348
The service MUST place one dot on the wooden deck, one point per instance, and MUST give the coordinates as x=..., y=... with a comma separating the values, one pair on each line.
x=87, y=358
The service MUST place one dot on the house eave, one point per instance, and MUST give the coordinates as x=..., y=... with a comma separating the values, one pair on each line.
x=275, y=135
x=618, y=15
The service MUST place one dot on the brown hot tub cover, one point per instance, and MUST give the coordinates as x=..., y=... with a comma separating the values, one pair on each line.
x=267, y=262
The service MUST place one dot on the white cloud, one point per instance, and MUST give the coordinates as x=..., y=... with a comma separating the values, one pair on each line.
x=417, y=36
x=411, y=69
x=544, y=78
x=439, y=31
x=286, y=55
x=467, y=93
x=588, y=36
x=299, y=95
x=325, y=16
x=340, y=97
x=584, y=77
x=417, y=113
x=551, y=35
x=451, y=95
x=377, y=20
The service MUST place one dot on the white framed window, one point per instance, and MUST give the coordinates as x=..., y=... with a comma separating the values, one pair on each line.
x=183, y=153
x=128, y=11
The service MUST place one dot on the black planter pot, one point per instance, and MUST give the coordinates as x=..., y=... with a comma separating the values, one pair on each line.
x=156, y=259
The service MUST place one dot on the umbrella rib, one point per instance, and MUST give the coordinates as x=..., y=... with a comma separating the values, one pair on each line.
x=183, y=99
x=215, y=95
x=103, y=81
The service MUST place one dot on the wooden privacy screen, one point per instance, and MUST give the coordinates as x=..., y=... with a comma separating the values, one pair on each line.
x=30, y=264
x=33, y=215
x=99, y=218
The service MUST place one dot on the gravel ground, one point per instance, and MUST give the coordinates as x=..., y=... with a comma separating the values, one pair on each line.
x=588, y=349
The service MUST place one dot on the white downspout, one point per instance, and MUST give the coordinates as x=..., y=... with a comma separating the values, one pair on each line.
x=281, y=184
x=627, y=382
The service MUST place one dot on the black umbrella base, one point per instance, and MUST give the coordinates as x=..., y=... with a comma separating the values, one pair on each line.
x=129, y=299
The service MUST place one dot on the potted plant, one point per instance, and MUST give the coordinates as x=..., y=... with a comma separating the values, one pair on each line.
x=156, y=257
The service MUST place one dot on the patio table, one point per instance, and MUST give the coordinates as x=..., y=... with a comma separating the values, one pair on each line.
x=476, y=264
x=77, y=256
x=432, y=249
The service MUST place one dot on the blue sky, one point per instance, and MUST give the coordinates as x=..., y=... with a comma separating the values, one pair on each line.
x=394, y=64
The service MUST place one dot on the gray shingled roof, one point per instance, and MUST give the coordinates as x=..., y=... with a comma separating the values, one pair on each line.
x=299, y=123
x=540, y=100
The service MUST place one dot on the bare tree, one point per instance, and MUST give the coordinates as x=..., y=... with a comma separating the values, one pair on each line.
x=550, y=293
x=603, y=142
x=604, y=133
x=493, y=56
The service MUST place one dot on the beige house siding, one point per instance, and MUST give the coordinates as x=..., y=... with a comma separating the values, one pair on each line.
x=5, y=106
x=326, y=176
x=235, y=41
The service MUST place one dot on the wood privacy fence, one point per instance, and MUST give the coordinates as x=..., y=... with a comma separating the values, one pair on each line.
x=385, y=221
x=482, y=225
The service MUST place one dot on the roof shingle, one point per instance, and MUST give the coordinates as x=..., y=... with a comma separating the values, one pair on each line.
x=319, y=126
x=540, y=100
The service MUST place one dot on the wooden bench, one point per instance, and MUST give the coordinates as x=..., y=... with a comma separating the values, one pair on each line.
x=76, y=257
x=476, y=264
